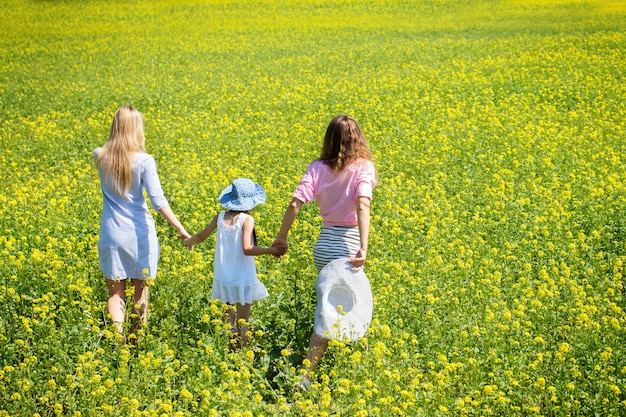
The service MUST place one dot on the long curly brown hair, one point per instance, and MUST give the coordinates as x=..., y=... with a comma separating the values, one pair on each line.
x=344, y=143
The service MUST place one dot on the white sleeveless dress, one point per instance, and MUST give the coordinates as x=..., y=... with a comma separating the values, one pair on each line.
x=235, y=277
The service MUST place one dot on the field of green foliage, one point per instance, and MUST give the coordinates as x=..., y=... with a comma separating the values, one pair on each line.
x=498, y=244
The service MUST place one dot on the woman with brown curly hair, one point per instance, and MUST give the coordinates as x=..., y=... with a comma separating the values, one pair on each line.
x=341, y=181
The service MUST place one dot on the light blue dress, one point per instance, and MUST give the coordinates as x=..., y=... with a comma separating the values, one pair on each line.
x=128, y=245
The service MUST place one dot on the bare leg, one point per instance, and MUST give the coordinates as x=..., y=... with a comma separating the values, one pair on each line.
x=117, y=302
x=231, y=317
x=140, y=304
x=317, y=347
x=243, y=316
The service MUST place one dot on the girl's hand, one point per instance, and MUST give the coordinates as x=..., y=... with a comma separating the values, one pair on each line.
x=359, y=259
x=278, y=251
x=184, y=236
x=188, y=244
x=280, y=247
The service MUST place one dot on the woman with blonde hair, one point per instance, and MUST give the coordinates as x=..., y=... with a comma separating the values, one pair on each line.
x=341, y=181
x=128, y=247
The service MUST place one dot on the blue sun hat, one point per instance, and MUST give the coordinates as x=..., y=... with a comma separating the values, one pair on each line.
x=242, y=195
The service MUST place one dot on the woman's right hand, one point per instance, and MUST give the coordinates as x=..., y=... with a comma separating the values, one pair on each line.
x=288, y=218
x=184, y=236
x=281, y=245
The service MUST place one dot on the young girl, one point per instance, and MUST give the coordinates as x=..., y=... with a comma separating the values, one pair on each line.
x=128, y=247
x=235, y=279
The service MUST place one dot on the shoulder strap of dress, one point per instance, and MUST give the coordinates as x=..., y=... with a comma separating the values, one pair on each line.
x=241, y=218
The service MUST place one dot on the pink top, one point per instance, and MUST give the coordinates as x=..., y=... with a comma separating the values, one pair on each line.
x=336, y=192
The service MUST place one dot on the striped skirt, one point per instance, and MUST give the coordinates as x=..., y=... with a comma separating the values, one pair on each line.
x=335, y=242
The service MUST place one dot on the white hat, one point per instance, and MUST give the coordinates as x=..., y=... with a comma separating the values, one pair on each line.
x=344, y=302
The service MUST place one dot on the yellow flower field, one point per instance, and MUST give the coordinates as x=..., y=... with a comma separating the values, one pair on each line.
x=497, y=251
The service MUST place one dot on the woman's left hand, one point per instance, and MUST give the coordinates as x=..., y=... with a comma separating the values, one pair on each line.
x=282, y=246
x=359, y=259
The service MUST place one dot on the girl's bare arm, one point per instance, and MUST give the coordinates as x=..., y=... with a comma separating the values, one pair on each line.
x=249, y=248
x=202, y=235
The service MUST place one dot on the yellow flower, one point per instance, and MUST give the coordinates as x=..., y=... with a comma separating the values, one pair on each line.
x=489, y=389
x=186, y=394
x=607, y=354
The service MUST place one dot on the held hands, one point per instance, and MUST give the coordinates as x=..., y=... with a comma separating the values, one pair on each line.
x=184, y=236
x=279, y=247
x=359, y=259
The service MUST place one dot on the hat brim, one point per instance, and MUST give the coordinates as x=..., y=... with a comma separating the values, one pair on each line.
x=344, y=302
x=241, y=203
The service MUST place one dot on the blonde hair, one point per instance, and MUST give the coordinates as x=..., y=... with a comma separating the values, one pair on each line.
x=126, y=139
x=344, y=143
